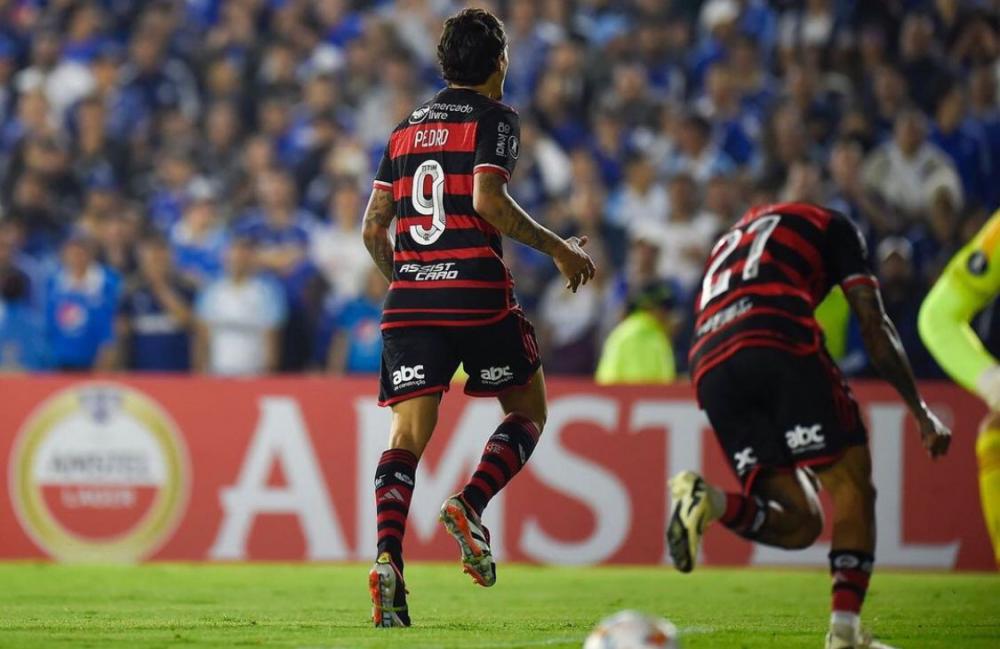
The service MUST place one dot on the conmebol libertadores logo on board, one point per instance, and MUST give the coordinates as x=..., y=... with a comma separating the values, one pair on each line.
x=99, y=472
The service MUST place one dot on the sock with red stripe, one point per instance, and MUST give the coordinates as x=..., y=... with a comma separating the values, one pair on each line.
x=745, y=515
x=851, y=570
x=394, y=479
x=507, y=450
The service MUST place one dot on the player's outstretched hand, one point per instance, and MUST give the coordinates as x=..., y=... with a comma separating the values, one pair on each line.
x=934, y=434
x=574, y=263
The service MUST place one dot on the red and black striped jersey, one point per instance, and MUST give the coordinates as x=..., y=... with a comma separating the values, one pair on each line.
x=448, y=262
x=766, y=275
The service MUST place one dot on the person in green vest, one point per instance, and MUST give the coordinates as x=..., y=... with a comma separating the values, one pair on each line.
x=638, y=349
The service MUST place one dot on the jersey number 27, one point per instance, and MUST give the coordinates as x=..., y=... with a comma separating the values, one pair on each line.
x=716, y=283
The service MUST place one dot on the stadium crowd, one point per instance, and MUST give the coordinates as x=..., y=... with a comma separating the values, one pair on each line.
x=182, y=182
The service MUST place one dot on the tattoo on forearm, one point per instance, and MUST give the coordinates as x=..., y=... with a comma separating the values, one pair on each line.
x=511, y=220
x=378, y=218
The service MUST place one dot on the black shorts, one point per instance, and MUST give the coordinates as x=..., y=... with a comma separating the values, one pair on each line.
x=422, y=360
x=773, y=409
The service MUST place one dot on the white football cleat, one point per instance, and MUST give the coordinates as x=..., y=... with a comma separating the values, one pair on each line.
x=690, y=514
x=845, y=636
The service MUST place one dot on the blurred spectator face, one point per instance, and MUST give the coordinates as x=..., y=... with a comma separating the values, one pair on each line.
x=522, y=15
x=258, y=155
x=86, y=23
x=745, y=58
x=146, y=52
x=951, y=109
x=274, y=116
x=890, y=88
x=640, y=173
x=845, y=163
x=175, y=170
x=587, y=206
x=177, y=127
x=90, y=118
x=105, y=69
x=330, y=12
x=320, y=94
x=584, y=168
x=916, y=37
x=872, y=46
x=223, y=78
x=630, y=82
x=45, y=49
x=983, y=87
x=77, y=256
x=721, y=198
x=276, y=193
x=693, y=137
x=29, y=192
x=790, y=137
x=279, y=65
x=720, y=87
x=201, y=215
x=101, y=200
x=683, y=197
x=240, y=259
x=910, y=132
x=222, y=125
x=346, y=204
x=46, y=155
x=8, y=244
x=33, y=110
x=803, y=182
x=155, y=259
x=644, y=257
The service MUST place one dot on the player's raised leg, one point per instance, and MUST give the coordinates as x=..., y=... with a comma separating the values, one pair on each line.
x=506, y=453
x=849, y=484
x=413, y=423
x=781, y=509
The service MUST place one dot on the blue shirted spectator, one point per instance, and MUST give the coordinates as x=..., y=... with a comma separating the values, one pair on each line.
x=356, y=345
x=80, y=305
x=154, y=318
x=966, y=143
x=22, y=345
x=175, y=172
x=198, y=240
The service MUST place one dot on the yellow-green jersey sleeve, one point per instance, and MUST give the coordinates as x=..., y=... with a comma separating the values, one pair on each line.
x=969, y=282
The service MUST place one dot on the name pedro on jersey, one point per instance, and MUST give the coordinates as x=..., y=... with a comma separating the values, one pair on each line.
x=430, y=272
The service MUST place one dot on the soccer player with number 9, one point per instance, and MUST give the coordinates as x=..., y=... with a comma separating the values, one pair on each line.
x=443, y=179
x=783, y=414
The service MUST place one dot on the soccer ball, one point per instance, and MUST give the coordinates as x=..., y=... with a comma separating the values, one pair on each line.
x=633, y=630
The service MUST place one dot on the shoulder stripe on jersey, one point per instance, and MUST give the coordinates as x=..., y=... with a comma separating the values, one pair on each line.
x=479, y=252
x=381, y=184
x=454, y=184
x=433, y=137
x=448, y=283
x=487, y=168
x=851, y=281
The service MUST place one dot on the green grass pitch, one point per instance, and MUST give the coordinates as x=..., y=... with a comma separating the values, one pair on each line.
x=325, y=606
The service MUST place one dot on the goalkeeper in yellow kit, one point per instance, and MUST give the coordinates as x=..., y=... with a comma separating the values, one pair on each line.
x=968, y=284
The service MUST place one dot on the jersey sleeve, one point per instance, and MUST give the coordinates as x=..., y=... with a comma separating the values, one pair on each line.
x=970, y=281
x=498, y=143
x=383, y=176
x=847, y=254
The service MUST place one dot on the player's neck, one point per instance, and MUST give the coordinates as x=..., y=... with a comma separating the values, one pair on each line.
x=487, y=89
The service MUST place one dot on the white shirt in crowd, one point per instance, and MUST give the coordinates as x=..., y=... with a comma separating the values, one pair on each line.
x=238, y=316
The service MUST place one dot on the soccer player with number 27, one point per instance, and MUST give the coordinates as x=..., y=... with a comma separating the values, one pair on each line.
x=443, y=179
x=781, y=411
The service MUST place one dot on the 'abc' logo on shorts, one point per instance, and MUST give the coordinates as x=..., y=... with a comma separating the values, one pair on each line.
x=496, y=374
x=407, y=374
x=802, y=437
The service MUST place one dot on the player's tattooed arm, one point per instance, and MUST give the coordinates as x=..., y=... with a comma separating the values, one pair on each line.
x=378, y=217
x=888, y=356
x=491, y=201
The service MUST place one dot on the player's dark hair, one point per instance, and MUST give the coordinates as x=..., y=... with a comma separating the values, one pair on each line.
x=470, y=48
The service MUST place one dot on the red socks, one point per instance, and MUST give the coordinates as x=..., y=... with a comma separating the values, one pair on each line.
x=506, y=452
